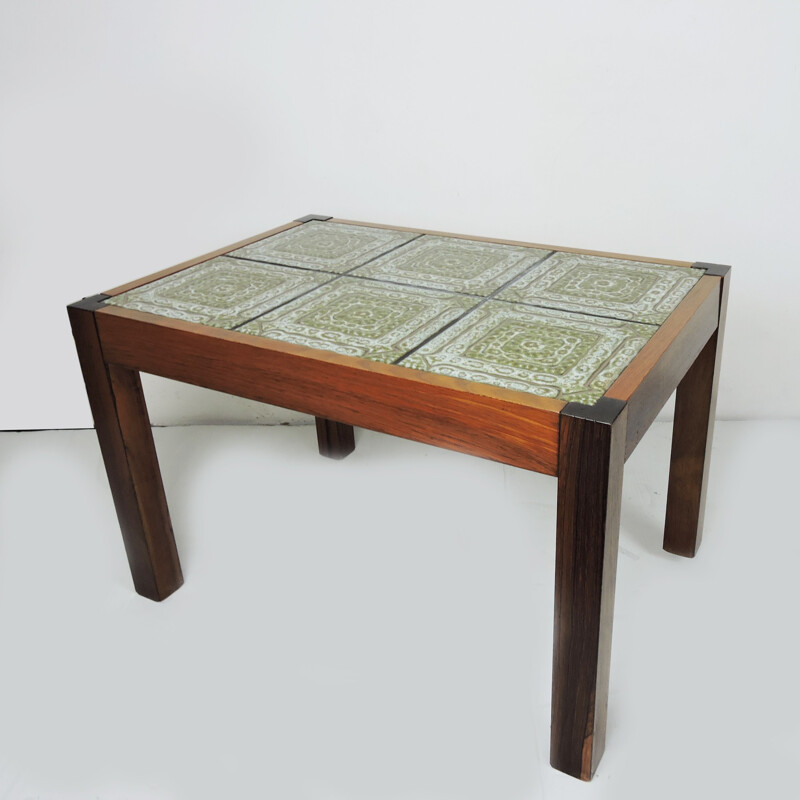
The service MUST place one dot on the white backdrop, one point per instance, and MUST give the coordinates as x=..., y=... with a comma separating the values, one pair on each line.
x=136, y=135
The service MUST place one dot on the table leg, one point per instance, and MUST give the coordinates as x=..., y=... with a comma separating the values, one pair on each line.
x=692, y=432
x=126, y=442
x=335, y=439
x=591, y=460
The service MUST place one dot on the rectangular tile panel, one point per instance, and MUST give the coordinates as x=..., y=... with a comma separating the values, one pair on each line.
x=329, y=246
x=223, y=292
x=456, y=265
x=604, y=286
x=572, y=357
x=362, y=318
x=564, y=326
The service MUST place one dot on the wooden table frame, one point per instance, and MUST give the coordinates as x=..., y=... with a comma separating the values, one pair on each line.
x=584, y=446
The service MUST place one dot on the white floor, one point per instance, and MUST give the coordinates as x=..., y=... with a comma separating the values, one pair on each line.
x=381, y=627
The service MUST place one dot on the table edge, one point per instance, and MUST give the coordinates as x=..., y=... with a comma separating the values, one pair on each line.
x=221, y=251
x=626, y=388
x=154, y=276
x=516, y=243
x=652, y=376
x=521, y=427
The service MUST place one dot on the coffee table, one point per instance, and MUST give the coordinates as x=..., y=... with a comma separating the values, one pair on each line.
x=547, y=358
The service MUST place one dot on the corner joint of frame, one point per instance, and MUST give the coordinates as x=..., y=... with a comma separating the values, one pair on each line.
x=313, y=217
x=605, y=411
x=93, y=303
x=715, y=270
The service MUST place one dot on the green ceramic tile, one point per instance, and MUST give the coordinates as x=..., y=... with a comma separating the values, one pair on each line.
x=362, y=318
x=604, y=286
x=550, y=353
x=450, y=264
x=329, y=246
x=223, y=292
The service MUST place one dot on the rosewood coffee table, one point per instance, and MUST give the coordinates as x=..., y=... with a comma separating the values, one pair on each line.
x=548, y=358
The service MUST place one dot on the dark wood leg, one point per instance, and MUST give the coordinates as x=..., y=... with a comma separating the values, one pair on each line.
x=591, y=460
x=692, y=432
x=335, y=439
x=126, y=442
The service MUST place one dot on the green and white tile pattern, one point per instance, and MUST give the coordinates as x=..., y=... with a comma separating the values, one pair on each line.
x=605, y=286
x=573, y=357
x=329, y=246
x=223, y=292
x=561, y=325
x=455, y=265
x=362, y=318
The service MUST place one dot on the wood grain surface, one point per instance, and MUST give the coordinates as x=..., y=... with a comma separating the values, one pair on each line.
x=692, y=432
x=126, y=443
x=648, y=381
x=511, y=427
x=587, y=536
x=335, y=440
x=125, y=287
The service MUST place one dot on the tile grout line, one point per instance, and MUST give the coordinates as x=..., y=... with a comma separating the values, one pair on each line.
x=578, y=313
x=334, y=276
x=381, y=255
x=278, y=264
x=387, y=282
x=485, y=300
x=285, y=302
x=384, y=281
x=481, y=301
x=320, y=269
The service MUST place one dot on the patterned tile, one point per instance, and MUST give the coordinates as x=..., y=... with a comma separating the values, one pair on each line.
x=550, y=353
x=605, y=286
x=362, y=318
x=223, y=292
x=457, y=265
x=330, y=246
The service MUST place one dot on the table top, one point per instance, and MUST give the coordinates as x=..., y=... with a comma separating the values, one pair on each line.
x=553, y=323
